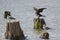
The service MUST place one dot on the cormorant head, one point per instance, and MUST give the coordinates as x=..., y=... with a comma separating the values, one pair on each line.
x=7, y=13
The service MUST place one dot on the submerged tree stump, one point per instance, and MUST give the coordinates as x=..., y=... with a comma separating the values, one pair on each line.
x=44, y=35
x=13, y=30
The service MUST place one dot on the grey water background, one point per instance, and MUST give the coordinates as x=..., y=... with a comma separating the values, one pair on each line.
x=23, y=11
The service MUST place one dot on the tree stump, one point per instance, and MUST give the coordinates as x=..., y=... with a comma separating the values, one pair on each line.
x=13, y=30
x=38, y=23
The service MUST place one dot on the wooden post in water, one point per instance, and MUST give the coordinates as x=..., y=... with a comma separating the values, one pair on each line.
x=13, y=30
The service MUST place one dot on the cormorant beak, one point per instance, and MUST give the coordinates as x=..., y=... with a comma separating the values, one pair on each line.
x=44, y=8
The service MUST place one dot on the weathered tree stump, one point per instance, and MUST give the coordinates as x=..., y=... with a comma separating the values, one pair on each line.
x=38, y=23
x=13, y=30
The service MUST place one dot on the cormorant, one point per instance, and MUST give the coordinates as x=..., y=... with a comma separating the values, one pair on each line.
x=38, y=11
x=7, y=13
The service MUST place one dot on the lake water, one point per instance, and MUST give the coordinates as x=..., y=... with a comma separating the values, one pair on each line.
x=23, y=11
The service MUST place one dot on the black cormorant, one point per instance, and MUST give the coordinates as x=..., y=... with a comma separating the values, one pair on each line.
x=38, y=11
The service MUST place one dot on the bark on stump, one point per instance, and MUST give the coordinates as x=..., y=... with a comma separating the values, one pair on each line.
x=13, y=30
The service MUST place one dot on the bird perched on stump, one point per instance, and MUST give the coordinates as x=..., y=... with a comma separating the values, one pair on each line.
x=38, y=11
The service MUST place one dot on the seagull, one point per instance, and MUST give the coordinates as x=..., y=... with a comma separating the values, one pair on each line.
x=38, y=11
